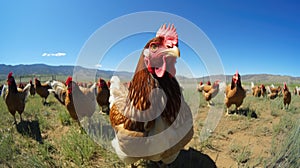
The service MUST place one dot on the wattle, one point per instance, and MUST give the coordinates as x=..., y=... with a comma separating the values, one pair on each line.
x=160, y=71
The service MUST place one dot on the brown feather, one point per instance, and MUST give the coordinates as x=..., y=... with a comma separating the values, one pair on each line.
x=103, y=94
x=42, y=89
x=15, y=98
x=143, y=86
x=286, y=97
x=84, y=102
x=235, y=94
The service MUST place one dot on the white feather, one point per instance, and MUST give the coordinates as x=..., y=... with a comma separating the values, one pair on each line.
x=146, y=52
x=160, y=137
x=118, y=93
x=200, y=87
x=26, y=90
x=55, y=84
x=268, y=89
x=121, y=154
x=252, y=85
x=3, y=91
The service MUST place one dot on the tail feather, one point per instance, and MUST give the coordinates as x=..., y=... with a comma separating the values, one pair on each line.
x=252, y=84
x=3, y=91
x=48, y=82
x=94, y=88
x=59, y=93
x=54, y=84
x=26, y=90
x=118, y=92
x=200, y=87
x=268, y=89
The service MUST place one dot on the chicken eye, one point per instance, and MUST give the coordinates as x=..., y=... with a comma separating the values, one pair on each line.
x=153, y=47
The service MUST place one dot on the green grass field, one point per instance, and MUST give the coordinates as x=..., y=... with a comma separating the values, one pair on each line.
x=48, y=137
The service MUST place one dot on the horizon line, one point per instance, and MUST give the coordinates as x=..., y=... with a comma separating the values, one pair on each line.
x=98, y=69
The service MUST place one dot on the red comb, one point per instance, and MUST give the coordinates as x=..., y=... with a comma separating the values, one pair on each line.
x=169, y=33
x=69, y=79
x=9, y=75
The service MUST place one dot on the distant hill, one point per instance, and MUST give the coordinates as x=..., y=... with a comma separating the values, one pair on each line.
x=64, y=70
x=259, y=78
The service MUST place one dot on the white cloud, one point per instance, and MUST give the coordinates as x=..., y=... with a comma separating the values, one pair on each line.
x=58, y=54
x=98, y=65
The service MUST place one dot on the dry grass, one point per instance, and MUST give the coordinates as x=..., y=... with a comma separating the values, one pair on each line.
x=53, y=139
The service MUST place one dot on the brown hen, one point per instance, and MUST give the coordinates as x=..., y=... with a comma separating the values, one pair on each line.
x=42, y=90
x=103, y=96
x=15, y=97
x=79, y=101
x=150, y=118
x=234, y=93
x=209, y=91
x=286, y=96
x=32, y=89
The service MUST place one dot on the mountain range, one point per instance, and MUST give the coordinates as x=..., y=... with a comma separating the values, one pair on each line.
x=66, y=70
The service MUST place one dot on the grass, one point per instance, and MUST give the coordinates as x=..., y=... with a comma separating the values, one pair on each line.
x=286, y=154
x=64, y=144
x=273, y=125
x=241, y=154
x=77, y=147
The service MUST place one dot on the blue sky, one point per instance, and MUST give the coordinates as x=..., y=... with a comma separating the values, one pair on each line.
x=249, y=36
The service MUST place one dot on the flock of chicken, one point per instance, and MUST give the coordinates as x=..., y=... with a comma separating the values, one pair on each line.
x=235, y=93
x=150, y=117
x=15, y=96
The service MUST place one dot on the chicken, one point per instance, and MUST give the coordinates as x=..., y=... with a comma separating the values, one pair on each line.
x=151, y=119
x=3, y=91
x=263, y=90
x=210, y=91
x=272, y=89
x=79, y=101
x=103, y=96
x=15, y=97
x=42, y=89
x=200, y=86
x=32, y=89
x=1, y=87
x=208, y=83
x=286, y=96
x=256, y=90
x=234, y=93
x=108, y=84
x=273, y=92
x=297, y=90
x=21, y=85
x=272, y=95
x=59, y=90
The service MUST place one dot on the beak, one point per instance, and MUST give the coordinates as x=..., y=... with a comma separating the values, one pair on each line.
x=172, y=52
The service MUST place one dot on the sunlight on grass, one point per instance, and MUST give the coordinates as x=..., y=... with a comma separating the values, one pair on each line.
x=64, y=144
